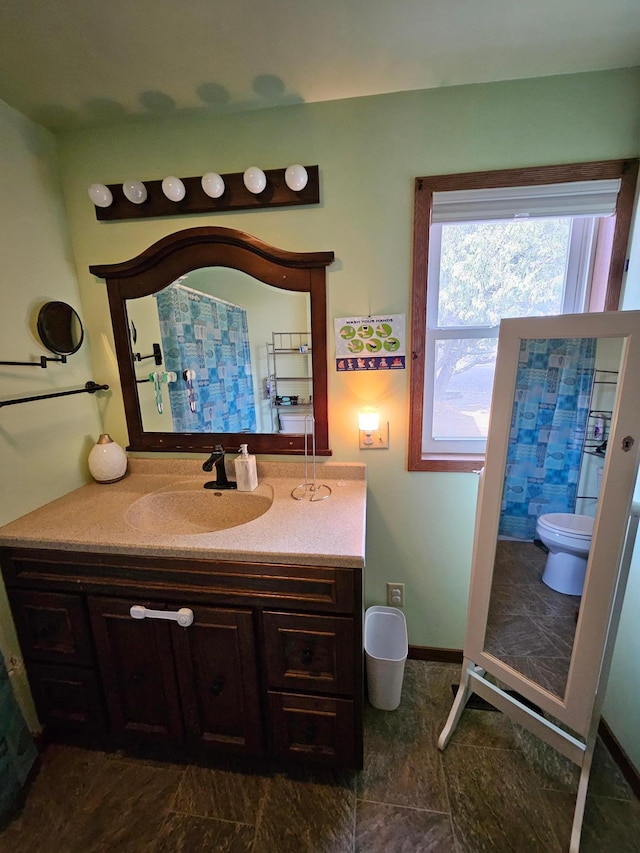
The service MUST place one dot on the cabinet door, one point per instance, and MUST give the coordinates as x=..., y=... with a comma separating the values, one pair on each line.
x=67, y=698
x=310, y=653
x=321, y=728
x=217, y=671
x=136, y=662
x=52, y=627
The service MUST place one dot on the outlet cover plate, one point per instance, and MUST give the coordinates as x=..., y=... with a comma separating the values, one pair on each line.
x=377, y=439
x=395, y=594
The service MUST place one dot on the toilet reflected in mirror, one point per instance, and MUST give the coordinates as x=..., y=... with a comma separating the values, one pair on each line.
x=564, y=397
x=567, y=538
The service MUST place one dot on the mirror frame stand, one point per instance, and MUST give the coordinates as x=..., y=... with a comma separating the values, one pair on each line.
x=194, y=248
x=473, y=680
x=567, y=721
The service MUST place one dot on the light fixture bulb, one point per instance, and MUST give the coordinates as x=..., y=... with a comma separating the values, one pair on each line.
x=212, y=184
x=135, y=191
x=368, y=420
x=296, y=177
x=173, y=188
x=255, y=180
x=100, y=195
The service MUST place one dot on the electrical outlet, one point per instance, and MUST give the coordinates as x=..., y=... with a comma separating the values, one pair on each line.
x=395, y=594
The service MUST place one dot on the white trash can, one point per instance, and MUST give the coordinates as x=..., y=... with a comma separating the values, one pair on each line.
x=386, y=647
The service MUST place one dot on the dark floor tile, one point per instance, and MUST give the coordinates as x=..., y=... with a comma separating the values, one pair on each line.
x=495, y=802
x=511, y=598
x=516, y=634
x=401, y=761
x=187, y=834
x=227, y=794
x=381, y=828
x=124, y=805
x=479, y=728
x=301, y=815
x=555, y=772
x=53, y=799
x=609, y=826
x=550, y=673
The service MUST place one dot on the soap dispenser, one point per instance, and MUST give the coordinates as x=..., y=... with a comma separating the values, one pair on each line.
x=246, y=474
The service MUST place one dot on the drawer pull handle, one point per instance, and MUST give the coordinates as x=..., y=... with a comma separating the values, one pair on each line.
x=307, y=655
x=216, y=687
x=183, y=617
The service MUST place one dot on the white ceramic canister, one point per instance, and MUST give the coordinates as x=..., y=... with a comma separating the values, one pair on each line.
x=107, y=460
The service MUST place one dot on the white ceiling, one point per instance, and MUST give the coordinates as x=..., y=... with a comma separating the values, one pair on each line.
x=69, y=63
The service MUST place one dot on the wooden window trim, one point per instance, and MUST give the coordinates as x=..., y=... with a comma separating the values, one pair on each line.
x=626, y=170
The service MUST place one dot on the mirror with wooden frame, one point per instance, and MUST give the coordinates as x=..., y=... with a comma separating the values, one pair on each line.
x=198, y=321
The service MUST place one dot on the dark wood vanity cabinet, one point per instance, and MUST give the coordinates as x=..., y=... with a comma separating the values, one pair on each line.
x=198, y=684
x=271, y=665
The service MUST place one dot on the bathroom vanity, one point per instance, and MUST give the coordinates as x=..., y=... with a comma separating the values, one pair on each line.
x=272, y=662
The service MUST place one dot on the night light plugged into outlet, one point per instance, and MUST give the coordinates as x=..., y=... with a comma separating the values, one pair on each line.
x=373, y=434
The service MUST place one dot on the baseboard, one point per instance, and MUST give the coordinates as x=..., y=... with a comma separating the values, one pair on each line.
x=430, y=653
x=627, y=768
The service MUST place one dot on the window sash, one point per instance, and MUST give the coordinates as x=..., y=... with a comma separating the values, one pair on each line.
x=425, y=187
x=578, y=270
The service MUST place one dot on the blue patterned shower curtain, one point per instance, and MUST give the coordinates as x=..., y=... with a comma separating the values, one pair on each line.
x=211, y=337
x=17, y=749
x=548, y=424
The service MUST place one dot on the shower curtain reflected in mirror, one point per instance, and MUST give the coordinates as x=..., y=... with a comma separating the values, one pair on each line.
x=210, y=337
x=548, y=426
x=17, y=749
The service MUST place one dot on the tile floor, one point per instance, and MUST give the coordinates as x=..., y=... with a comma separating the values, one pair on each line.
x=530, y=626
x=493, y=789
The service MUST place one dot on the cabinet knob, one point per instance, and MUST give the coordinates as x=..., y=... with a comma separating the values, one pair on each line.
x=307, y=655
x=137, y=677
x=216, y=687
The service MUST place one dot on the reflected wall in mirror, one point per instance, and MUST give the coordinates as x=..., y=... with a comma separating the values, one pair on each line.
x=216, y=325
x=60, y=328
x=560, y=422
x=205, y=303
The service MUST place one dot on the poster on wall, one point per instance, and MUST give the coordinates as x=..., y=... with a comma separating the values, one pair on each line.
x=370, y=343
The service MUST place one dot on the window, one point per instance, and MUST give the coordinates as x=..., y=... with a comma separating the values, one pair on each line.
x=490, y=245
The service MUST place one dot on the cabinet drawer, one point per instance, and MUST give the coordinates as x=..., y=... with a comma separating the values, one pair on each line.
x=52, y=627
x=310, y=653
x=67, y=698
x=315, y=727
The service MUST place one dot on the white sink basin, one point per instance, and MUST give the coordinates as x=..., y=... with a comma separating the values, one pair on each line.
x=189, y=511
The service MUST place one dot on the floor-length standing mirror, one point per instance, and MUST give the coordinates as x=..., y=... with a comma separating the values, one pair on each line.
x=555, y=528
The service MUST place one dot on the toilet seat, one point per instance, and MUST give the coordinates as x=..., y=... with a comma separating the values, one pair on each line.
x=573, y=526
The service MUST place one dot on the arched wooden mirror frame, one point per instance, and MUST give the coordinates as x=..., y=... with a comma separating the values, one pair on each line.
x=195, y=248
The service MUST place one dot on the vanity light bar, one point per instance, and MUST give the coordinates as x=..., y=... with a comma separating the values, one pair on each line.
x=252, y=189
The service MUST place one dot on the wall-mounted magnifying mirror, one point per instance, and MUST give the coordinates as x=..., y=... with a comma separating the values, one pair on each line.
x=554, y=526
x=220, y=337
x=60, y=328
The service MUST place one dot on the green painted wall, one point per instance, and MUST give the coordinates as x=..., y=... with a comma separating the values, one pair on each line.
x=43, y=445
x=369, y=150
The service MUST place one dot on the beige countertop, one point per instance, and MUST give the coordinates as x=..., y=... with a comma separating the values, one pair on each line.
x=94, y=517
